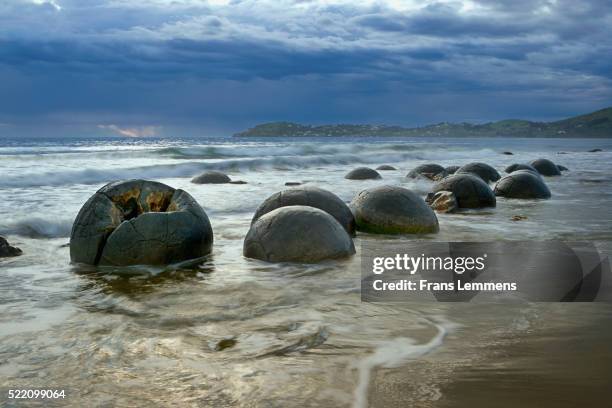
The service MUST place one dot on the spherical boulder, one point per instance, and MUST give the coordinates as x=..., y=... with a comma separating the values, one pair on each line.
x=431, y=171
x=522, y=184
x=312, y=197
x=362, y=173
x=545, y=167
x=469, y=190
x=392, y=210
x=297, y=234
x=211, y=177
x=385, y=167
x=139, y=222
x=451, y=169
x=482, y=170
x=518, y=166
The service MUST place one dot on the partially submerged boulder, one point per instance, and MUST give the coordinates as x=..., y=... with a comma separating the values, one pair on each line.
x=451, y=169
x=522, y=184
x=312, y=197
x=519, y=166
x=140, y=222
x=470, y=191
x=297, y=234
x=431, y=171
x=362, y=173
x=385, y=167
x=392, y=210
x=545, y=167
x=562, y=168
x=7, y=250
x=484, y=171
x=211, y=177
x=444, y=202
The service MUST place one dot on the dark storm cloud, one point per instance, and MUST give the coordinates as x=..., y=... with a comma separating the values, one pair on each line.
x=229, y=64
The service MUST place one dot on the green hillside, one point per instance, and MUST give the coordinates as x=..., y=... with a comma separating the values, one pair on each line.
x=596, y=124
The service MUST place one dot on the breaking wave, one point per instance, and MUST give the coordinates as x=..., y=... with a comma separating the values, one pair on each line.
x=38, y=228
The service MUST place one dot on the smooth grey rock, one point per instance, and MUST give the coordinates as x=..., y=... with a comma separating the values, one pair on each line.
x=562, y=168
x=362, y=173
x=392, y=210
x=312, y=197
x=444, y=202
x=508, y=153
x=451, y=169
x=238, y=182
x=484, y=171
x=595, y=150
x=140, y=222
x=469, y=190
x=545, y=167
x=293, y=183
x=385, y=167
x=211, y=177
x=7, y=250
x=522, y=184
x=519, y=166
x=431, y=171
x=297, y=234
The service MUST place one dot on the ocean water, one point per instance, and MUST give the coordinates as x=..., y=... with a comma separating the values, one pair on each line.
x=240, y=332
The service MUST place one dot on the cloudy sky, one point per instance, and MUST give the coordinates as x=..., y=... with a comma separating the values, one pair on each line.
x=188, y=67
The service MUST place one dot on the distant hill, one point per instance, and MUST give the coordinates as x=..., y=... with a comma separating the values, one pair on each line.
x=596, y=124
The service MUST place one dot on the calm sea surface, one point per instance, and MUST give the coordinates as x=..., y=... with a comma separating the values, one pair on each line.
x=239, y=332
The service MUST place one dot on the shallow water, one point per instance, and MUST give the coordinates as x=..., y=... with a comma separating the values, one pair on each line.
x=239, y=332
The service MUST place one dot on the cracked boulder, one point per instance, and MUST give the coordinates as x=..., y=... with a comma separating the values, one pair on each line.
x=431, y=171
x=469, y=190
x=297, y=234
x=522, y=184
x=139, y=222
x=484, y=171
x=312, y=197
x=392, y=210
x=545, y=167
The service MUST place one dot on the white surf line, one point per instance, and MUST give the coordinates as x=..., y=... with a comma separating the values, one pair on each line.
x=394, y=353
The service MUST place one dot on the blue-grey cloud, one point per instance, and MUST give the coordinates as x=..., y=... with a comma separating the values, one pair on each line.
x=228, y=64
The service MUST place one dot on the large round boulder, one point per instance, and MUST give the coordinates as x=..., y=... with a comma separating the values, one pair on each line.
x=469, y=190
x=392, y=210
x=139, y=222
x=482, y=170
x=431, y=171
x=545, y=167
x=211, y=177
x=312, y=197
x=297, y=234
x=362, y=173
x=522, y=184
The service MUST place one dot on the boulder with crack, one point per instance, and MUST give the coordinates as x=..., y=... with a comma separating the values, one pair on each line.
x=139, y=222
